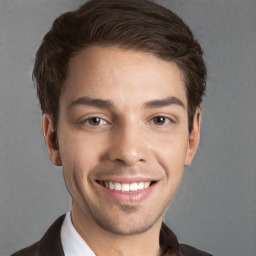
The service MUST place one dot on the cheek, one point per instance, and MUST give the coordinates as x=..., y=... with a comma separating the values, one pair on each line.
x=81, y=153
x=77, y=163
x=171, y=156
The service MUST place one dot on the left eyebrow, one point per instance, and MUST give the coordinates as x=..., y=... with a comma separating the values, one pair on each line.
x=164, y=103
x=87, y=101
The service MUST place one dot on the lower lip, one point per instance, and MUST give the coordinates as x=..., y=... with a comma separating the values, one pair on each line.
x=131, y=197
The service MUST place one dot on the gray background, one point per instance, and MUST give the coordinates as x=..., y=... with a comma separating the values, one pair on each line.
x=215, y=206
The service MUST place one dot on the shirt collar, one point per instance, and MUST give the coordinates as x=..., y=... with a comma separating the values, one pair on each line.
x=74, y=245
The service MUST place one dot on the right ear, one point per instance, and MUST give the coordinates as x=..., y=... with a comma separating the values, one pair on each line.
x=51, y=141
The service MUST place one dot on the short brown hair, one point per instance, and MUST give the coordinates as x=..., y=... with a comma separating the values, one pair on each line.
x=129, y=24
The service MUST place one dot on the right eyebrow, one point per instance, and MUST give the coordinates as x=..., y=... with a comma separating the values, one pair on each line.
x=164, y=102
x=87, y=101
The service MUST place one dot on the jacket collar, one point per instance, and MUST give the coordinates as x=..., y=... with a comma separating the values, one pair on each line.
x=168, y=242
x=51, y=241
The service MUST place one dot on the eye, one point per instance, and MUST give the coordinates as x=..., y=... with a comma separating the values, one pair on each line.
x=96, y=121
x=161, y=120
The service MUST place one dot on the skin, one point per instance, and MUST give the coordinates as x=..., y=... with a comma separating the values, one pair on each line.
x=134, y=137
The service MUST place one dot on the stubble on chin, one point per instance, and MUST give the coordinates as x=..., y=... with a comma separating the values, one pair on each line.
x=126, y=227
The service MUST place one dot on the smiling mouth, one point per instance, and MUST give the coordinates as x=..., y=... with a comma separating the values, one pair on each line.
x=126, y=187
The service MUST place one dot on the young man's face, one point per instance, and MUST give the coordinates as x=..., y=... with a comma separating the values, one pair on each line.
x=123, y=137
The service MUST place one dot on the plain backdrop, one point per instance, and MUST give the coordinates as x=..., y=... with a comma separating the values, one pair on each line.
x=215, y=207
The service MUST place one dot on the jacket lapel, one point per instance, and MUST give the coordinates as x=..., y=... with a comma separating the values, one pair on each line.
x=50, y=244
x=168, y=242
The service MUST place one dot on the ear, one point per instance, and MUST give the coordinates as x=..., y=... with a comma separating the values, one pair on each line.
x=194, y=137
x=50, y=136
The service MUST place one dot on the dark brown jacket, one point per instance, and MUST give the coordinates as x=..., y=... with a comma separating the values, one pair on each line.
x=50, y=244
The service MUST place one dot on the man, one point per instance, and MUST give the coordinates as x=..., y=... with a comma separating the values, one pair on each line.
x=120, y=85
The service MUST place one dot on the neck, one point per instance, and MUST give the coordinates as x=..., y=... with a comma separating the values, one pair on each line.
x=105, y=243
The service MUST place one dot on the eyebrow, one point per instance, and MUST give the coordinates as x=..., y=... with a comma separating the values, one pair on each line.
x=87, y=101
x=101, y=103
x=164, y=103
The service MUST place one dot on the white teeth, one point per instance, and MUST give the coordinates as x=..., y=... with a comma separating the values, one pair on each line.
x=111, y=185
x=140, y=185
x=147, y=184
x=126, y=187
x=118, y=186
x=133, y=187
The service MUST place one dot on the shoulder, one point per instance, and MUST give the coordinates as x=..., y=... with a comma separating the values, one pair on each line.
x=188, y=250
x=31, y=250
x=49, y=245
x=168, y=240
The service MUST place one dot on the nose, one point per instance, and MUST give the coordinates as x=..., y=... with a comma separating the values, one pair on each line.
x=128, y=146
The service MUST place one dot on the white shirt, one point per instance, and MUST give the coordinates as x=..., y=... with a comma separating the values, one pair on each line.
x=72, y=243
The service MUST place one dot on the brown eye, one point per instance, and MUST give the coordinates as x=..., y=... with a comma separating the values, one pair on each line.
x=96, y=121
x=160, y=120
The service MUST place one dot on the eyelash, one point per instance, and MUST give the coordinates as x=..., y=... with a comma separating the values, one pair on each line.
x=102, y=121
x=87, y=121
x=167, y=120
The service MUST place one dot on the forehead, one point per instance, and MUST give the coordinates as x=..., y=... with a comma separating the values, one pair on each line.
x=125, y=76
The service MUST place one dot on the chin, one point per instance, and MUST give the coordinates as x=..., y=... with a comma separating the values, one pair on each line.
x=130, y=224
